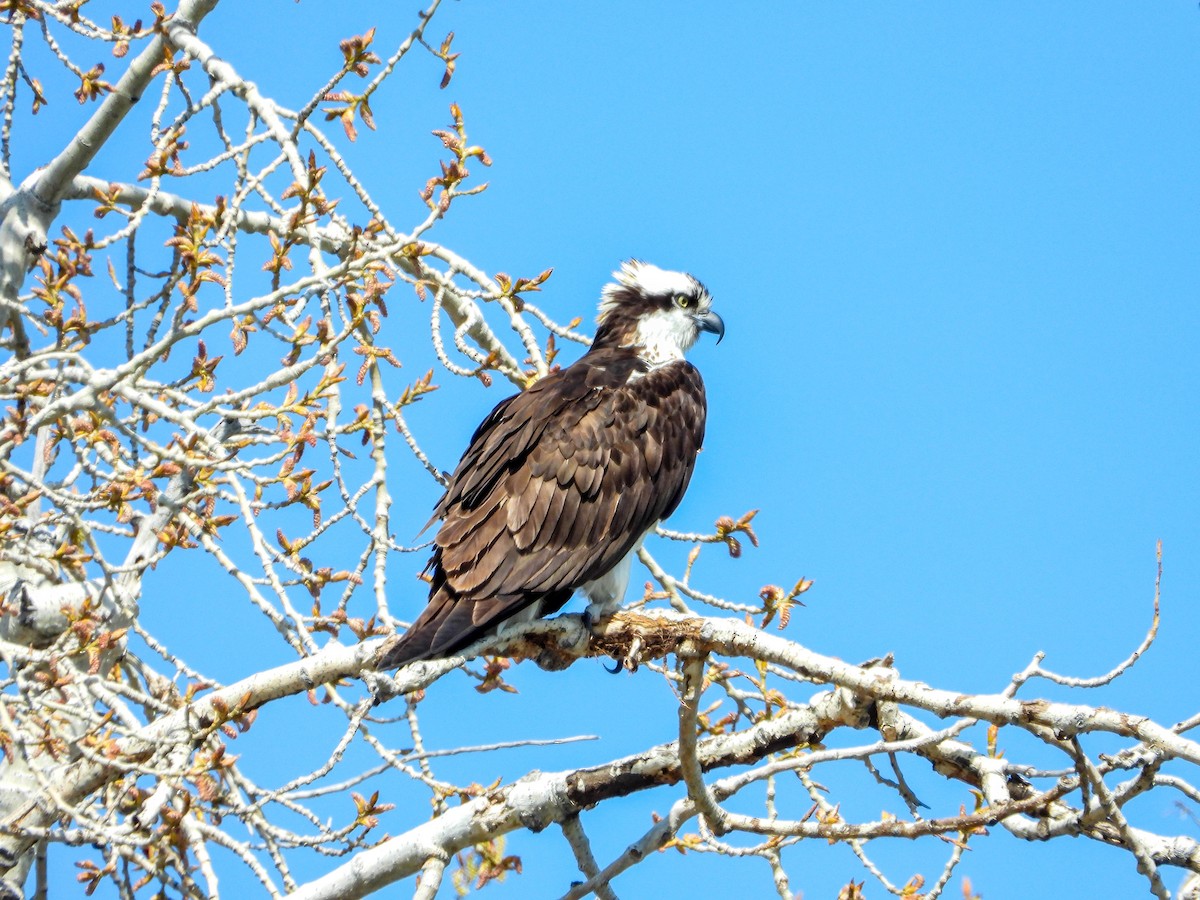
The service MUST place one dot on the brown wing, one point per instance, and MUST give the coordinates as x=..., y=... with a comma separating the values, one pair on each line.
x=558, y=484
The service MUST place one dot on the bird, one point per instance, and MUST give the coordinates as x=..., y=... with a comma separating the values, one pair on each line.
x=561, y=483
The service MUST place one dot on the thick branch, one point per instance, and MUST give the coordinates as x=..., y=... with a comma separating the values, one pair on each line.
x=542, y=799
x=27, y=213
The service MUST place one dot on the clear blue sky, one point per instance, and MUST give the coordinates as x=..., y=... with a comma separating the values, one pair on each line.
x=955, y=246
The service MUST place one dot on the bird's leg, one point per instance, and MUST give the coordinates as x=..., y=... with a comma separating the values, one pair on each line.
x=595, y=618
x=593, y=624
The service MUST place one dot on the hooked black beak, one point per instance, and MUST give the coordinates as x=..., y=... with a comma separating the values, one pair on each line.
x=712, y=323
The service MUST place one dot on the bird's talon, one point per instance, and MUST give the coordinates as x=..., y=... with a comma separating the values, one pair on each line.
x=617, y=666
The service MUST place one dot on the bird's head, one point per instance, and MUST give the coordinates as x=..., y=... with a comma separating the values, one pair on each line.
x=659, y=311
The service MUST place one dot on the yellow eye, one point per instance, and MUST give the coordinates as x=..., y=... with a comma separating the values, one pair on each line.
x=683, y=301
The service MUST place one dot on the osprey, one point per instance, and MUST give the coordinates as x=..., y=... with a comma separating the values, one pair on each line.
x=561, y=483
